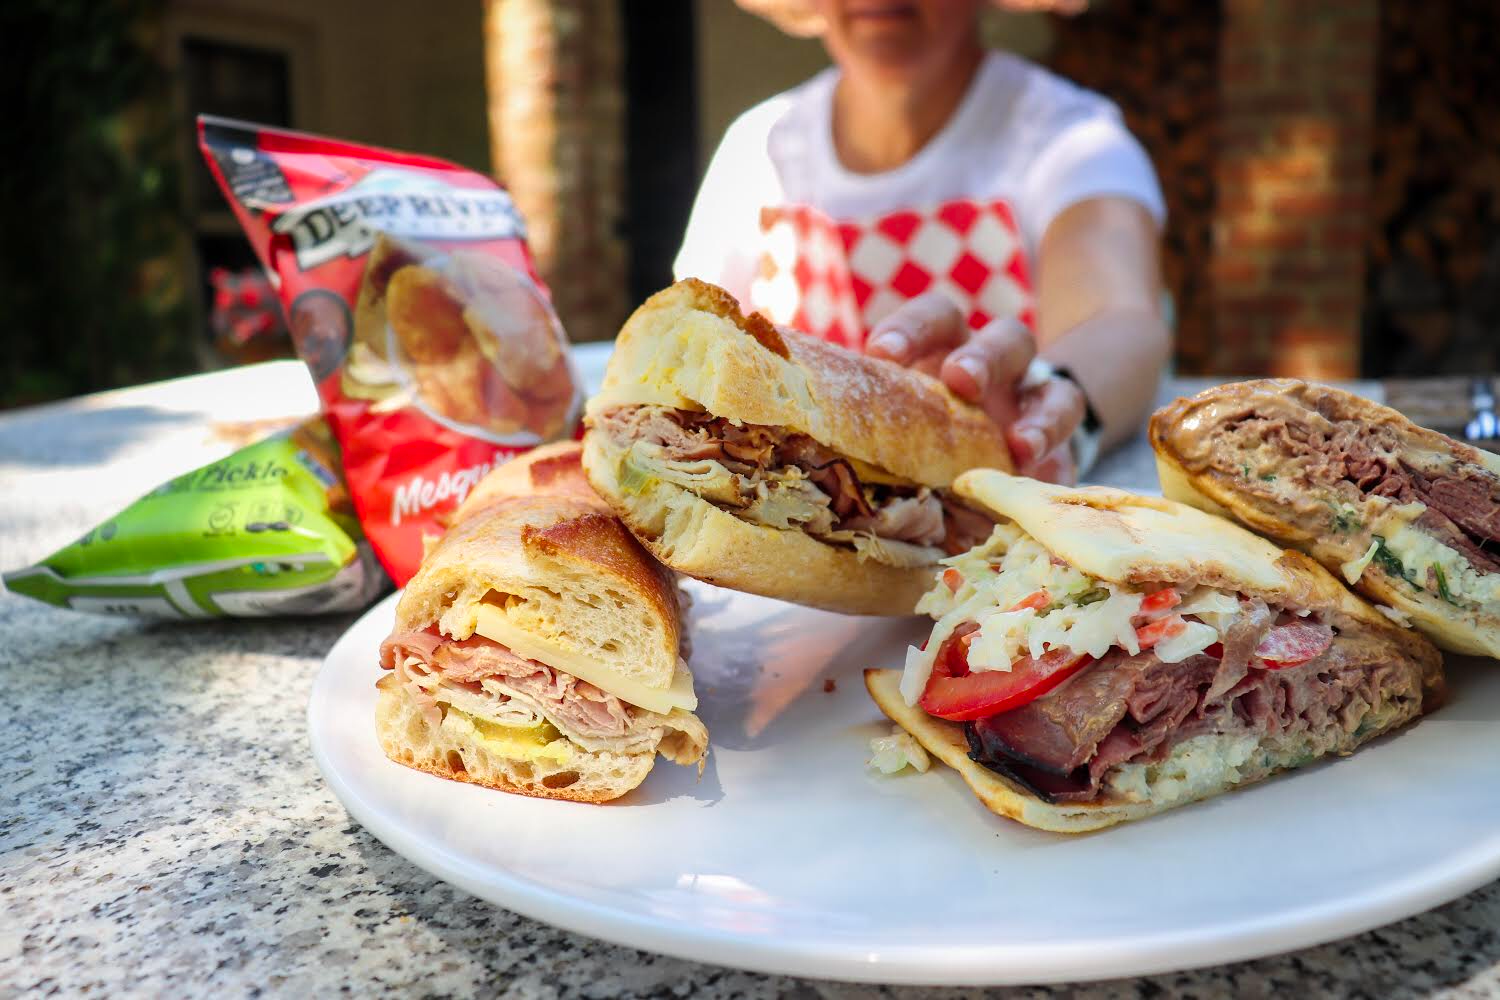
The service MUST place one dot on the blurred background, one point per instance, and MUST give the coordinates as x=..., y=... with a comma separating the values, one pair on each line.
x=1332, y=170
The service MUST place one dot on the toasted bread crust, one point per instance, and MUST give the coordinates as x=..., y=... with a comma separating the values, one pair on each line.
x=690, y=347
x=521, y=546
x=548, y=470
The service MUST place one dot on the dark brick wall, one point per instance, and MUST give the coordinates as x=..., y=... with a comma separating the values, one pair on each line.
x=1158, y=59
x=1433, y=282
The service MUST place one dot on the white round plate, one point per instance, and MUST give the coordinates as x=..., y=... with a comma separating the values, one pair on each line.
x=790, y=857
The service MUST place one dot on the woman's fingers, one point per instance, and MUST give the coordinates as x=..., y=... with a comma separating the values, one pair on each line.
x=929, y=333
x=928, y=326
x=1049, y=414
x=991, y=362
x=1056, y=467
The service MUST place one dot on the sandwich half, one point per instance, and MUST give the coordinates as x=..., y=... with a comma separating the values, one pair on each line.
x=1105, y=656
x=1409, y=517
x=772, y=462
x=539, y=648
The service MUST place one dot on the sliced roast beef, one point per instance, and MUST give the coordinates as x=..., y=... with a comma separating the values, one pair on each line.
x=1240, y=640
x=1467, y=499
x=912, y=514
x=1358, y=459
x=1118, y=709
x=1060, y=731
x=1135, y=709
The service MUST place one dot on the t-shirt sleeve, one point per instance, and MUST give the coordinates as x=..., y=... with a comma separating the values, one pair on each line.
x=1093, y=158
x=722, y=241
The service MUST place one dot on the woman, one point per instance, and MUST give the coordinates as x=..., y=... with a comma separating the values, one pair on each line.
x=953, y=209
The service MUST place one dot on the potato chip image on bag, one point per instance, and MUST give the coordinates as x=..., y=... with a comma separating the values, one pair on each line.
x=467, y=339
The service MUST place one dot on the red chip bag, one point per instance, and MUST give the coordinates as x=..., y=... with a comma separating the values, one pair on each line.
x=411, y=297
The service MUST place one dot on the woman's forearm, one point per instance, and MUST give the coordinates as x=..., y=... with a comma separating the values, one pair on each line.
x=1117, y=356
x=1098, y=308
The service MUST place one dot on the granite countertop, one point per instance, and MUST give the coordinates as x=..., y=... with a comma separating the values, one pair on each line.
x=167, y=833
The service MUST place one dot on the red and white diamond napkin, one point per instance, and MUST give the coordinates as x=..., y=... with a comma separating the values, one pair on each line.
x=837, y=279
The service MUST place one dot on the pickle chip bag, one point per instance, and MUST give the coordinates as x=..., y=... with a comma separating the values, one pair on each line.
x=411, y=296
x=268, y=530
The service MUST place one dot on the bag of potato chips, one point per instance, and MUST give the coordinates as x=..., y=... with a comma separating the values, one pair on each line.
x=267, y=530
x=411, y=297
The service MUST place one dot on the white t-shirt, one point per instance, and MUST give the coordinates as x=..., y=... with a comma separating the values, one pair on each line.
x=781, y=224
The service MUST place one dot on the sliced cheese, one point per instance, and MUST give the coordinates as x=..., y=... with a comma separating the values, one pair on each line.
x=495, y=626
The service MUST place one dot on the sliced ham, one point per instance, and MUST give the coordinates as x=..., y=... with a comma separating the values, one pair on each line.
x=417, y=644
x=572, y=705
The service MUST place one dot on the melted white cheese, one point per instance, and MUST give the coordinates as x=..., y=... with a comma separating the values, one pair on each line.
x=493, y=625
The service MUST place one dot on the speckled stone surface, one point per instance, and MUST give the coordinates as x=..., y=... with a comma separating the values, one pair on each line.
x=165, y=832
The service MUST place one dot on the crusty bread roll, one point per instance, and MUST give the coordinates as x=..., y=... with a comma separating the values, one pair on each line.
x=693, y=536
x=545, y=584
x=410, y=737
x=554, y=469
x=689, y=349
x=555, y=567
x=1351, y=483
x=1145, y=543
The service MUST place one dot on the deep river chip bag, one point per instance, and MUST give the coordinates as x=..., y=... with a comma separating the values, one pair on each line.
x=411, y=297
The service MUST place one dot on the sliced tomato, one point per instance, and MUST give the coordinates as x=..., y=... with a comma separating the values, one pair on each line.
x=1151, y=633
x=1160, y=601
x=1035, y=602
x=1214, y=649
x=955, y=694
x=953, y=578
x=1293, y=644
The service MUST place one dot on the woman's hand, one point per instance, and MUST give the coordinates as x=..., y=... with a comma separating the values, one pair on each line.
x=986, y=367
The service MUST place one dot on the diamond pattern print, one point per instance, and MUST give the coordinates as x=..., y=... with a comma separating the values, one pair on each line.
x=838, y=278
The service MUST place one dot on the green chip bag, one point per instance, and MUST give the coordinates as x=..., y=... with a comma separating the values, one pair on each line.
x=267, y=531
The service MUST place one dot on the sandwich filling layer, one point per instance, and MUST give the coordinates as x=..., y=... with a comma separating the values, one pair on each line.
x=523, y=707
x=783, y=479
x=1426, y=519
x=1074, y=688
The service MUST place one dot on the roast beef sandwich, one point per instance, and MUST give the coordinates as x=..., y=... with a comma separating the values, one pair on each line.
x=1104, y=656
x=538, y=649
x=1407, y=516
x=772, y=462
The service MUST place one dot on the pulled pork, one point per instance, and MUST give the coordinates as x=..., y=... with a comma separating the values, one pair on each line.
x=770, y=463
